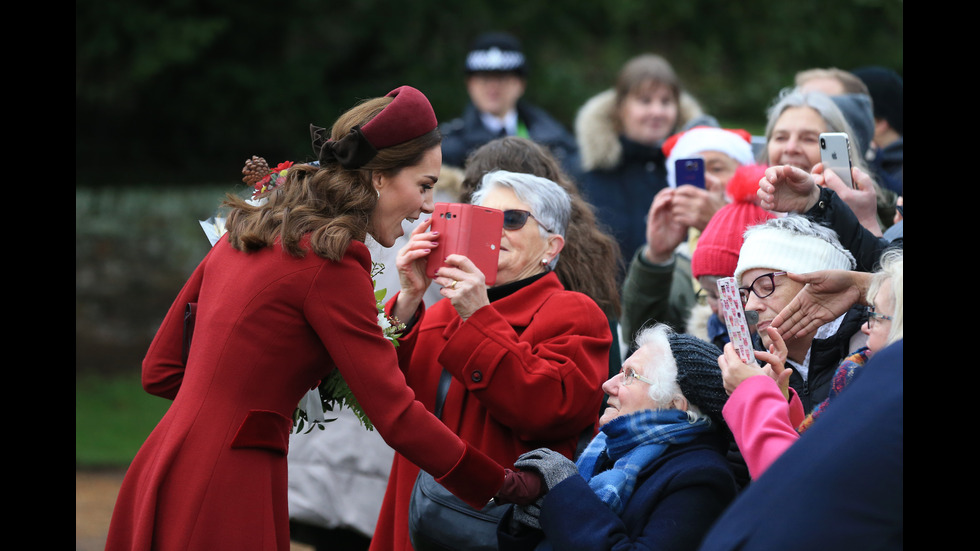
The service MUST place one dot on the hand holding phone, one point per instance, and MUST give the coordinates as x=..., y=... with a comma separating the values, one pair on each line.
x=835, y=154
x=469, y=230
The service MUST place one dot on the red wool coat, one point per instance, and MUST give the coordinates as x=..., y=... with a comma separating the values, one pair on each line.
x=527, y=373
x=212, y=474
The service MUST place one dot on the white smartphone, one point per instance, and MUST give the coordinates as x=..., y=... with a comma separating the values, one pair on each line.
x=835, y=155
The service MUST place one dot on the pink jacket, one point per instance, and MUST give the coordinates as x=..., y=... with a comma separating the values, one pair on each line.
x=763, y=423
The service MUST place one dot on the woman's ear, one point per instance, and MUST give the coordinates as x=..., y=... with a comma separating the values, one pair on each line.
x=680, y=403
x=555, y=244
x=378, y=179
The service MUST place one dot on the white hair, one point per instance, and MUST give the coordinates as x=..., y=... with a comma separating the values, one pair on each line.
x=661, y=368
x=549, y=203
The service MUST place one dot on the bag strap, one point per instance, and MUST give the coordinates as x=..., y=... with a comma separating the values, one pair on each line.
x=444, y=381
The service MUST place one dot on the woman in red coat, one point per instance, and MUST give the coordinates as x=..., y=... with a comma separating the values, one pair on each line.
x=527, y=357
x=281, y=302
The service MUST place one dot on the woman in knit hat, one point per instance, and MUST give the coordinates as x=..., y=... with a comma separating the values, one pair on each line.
x=281, y=302
x=795, y=244
x=765, y=415
x=655, y=476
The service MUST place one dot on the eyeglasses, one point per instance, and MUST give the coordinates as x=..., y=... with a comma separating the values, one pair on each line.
x=515, y=220
x=762, y=286
x=629, y=374
x=704, y=297
x=872, y=316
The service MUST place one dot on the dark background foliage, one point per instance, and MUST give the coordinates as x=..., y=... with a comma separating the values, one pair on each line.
x=181, y=92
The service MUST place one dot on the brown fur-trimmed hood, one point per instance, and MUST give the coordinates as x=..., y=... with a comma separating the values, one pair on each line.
x=598, y=137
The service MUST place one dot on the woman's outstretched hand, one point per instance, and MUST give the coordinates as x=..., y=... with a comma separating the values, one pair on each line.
x=826, y=295
x=787, y=188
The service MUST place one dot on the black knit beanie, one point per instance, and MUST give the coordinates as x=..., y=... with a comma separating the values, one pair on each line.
x=698, y=374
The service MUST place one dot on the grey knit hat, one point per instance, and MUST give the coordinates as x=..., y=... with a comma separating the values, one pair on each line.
x=698, y=374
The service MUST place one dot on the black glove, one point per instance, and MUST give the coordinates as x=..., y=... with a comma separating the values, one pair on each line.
x=553, y=466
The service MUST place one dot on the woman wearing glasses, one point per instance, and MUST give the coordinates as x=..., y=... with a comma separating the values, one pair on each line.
x=525, y=358
x=763, y=422
x=795, y=244
x=655, y=477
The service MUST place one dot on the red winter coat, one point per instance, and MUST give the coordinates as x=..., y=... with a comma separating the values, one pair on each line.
x=212, y=474
x=527, y=373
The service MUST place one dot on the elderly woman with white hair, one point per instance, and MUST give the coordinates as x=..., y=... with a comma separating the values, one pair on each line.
x=655, y=477
x=763, y=423
x=524, y=359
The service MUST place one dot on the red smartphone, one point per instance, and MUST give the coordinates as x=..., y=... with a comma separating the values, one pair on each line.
x=689, y=171
x=470, y=230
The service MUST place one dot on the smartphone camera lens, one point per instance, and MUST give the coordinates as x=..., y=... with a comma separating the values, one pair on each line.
x=823, y=143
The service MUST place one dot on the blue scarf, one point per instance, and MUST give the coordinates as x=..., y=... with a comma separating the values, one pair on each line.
x=633, y=441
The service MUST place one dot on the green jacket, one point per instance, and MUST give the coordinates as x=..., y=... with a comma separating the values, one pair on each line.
x=656, y=293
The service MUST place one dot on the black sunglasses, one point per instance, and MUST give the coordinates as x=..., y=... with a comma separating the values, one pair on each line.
x=516, y=219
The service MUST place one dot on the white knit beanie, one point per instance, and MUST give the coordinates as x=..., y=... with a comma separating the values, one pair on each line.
x=779, y=245
x=705, y=138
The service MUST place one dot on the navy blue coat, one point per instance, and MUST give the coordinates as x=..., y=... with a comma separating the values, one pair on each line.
x=675, y=502
x=622, y=195
x=841, y=485
x=463, y=135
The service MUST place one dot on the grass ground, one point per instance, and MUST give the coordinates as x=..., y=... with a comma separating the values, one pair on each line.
x=113, y=416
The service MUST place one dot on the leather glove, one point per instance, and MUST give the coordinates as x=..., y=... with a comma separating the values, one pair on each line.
x=553, y=466
x=520, y=487
x=526, y=515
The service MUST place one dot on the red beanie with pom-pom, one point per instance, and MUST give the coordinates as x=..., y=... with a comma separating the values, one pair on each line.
x=721, y=240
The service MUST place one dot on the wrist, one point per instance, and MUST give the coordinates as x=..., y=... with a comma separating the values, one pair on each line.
x=813, y=199
x=656, y=257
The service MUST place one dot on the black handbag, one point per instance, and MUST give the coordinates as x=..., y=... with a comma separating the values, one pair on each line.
x=440, y=521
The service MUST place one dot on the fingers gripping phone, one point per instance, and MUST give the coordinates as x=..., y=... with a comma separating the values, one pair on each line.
x=468, y=230
x=835, y=155
x=689, y=171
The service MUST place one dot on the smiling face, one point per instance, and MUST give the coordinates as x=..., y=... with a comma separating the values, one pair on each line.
x=627, y=399
x=795, y=138
x=648, y=114
x=785, y=290
x=521, y=250
x=404, y=195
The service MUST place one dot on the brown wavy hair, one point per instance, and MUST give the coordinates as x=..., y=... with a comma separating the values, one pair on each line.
x=587, y=246
x=331, y=204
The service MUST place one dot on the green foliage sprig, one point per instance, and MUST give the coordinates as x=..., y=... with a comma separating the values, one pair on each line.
x=334, y=392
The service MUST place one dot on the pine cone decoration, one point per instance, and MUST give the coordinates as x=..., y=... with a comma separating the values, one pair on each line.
x=255, y=169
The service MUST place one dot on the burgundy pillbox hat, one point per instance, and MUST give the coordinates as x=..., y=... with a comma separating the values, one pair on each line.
x=407, y=117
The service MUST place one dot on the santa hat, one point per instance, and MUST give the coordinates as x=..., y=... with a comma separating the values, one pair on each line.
x=736, y=143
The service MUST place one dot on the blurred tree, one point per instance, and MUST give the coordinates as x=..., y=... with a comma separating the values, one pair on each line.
x=182, y=92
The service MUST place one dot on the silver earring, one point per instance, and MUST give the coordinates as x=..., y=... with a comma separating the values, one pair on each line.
x=544, y=260
x=378, y=191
